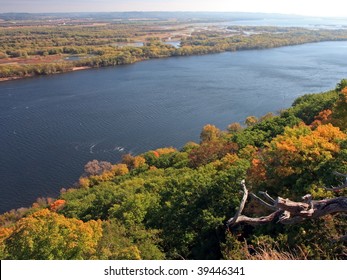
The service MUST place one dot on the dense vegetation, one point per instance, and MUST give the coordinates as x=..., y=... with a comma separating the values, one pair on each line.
x=173, y=204
x=42, y=50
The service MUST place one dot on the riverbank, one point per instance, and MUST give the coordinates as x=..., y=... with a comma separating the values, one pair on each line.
x=195, y=44
x=12, y=78
x=31, y=76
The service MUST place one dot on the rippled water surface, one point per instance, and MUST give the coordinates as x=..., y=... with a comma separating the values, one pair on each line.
x=51, y=126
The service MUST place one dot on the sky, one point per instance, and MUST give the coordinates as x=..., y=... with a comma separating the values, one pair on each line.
x=330, y=8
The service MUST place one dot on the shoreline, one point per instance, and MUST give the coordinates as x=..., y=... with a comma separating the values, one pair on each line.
x=13, y=78
x=31, y=76
x=79, y=68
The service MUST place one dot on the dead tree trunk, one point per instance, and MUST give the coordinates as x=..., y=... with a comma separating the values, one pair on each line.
x=286, y=211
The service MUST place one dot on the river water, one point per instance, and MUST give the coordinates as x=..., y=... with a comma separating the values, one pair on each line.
x=50, y=127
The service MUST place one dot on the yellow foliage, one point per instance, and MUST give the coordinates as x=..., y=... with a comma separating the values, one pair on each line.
x=133, y=162
x=302, y=146
x=5, y=232
x=130, y=253
x=120, y=169
x=84, y=182
x=226, y=162
x=138, y=161
x=248, y=152
x=164, y=151
x=209, y=133
x=63, y=238
x=251, y=120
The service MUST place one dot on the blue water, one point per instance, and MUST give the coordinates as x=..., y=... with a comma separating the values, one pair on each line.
x=51, y=126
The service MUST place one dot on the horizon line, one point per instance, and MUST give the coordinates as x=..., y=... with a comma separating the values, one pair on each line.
x=177, y=11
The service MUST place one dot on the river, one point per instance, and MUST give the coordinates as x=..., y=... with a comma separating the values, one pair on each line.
x=50, y=127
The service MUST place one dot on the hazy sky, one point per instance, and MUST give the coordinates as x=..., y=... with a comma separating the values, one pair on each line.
x=300, y=7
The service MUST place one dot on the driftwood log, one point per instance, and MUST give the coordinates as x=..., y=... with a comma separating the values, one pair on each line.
x=286, y=211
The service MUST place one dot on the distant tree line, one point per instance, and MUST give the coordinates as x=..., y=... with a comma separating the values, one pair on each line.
x=97, y=46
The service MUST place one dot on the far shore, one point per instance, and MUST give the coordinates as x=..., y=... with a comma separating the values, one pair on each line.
x=81, y=68
x=29, y=76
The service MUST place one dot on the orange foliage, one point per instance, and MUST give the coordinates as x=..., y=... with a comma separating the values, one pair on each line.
x=5, y=232
x=57, y=205
x=257, y=172
x=133, y=162
x=323, y=117
x=156, y=154
x=301, y=147
x=210, y=151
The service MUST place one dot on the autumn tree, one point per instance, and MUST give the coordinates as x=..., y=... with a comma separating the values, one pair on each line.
x=209, y=133
x=96, y=167
x=301, y=152
x=251, y=120
x=47, y=235
x=133, y=161
x=234, y=127
x=210, y=151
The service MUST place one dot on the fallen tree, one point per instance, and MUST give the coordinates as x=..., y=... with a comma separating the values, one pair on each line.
x=286, y=211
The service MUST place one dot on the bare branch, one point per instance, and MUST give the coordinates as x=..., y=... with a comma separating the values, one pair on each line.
x=291, y=212
x=336, y=189
x=291, y=206
x=263, y=202
x=260, y=220
x=266, y=195
x=242, y=205
x=340, y=174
